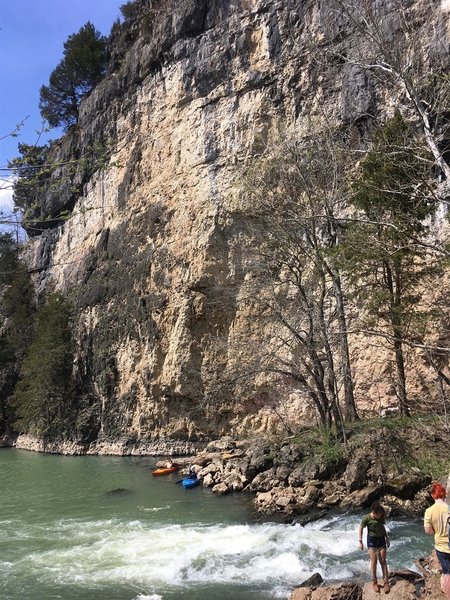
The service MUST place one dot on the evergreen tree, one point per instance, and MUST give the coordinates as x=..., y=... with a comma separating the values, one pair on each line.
x=31, y=174
x=82, y=67
x=382, y=250
x=16, y=315
x=43, y=394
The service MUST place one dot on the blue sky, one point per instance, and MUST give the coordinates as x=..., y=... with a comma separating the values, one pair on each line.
x=32, y=34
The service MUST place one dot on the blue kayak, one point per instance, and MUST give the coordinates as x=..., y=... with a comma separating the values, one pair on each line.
x=190, y=482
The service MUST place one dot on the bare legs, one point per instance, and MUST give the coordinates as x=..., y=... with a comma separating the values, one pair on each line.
x=445, y=585
x=382, y=558
x=379, y=555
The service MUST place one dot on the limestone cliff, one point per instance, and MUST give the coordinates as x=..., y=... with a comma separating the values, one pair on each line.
x=149, y=259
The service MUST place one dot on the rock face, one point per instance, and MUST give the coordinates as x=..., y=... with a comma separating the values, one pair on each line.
x=148, y=257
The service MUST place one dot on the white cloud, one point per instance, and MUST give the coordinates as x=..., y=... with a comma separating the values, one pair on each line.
x=6, y=193
x=9, y=221
x=445, y=5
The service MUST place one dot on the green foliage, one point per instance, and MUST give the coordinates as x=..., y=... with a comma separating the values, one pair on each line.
x=43, y=398
x=8, y=377
x=31, y=172
x=436, y=466
x=391, y=194
x=138, y=13
x=394, y=177
x=37, y=173
x=16, y=314
x=330, y=448
x=383, y=250
x=82, y=67
x=130, y=10
x=325, y=443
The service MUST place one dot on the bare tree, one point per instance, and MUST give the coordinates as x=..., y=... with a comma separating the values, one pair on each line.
x=407, y=51
x=290, y=203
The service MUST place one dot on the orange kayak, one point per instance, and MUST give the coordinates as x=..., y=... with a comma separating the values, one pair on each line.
x=166, y=470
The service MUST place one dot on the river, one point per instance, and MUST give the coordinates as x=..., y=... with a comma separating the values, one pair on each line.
x=102, y=528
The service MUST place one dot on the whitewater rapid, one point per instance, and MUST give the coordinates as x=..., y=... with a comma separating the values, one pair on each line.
x=155, y=556
x=102, y=528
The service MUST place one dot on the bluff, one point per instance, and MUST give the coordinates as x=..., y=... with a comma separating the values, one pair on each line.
x=150, y=256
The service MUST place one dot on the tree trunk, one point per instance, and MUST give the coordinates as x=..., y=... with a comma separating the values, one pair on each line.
x=401, y=376
x=395, y=288
x=350, y=411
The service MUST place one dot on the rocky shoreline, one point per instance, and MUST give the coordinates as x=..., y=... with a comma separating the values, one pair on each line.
x=299, y=487
x=288, y=480
x=108, y=447
x=404, y=585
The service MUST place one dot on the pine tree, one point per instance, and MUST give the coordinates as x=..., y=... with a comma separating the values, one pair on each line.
x=31, y=174
x=43, y=394
x=382, y=251
x=82, y=67
x=16, y=315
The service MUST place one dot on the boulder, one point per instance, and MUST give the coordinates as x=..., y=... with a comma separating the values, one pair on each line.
x=332, y=494
x=355, y=475
x=362, y=498
x=211, y=468
x=221, y=445
x=310, y=517
x=406, y=485
x=283, y=501
x=312, y=493
x=221, y=488
x=313, y=581
x=289, y=500
x=400, y=590
x=289, y=455
x=208, y=480
x=260, y=459
x=265, y=481
x=342, y=591
x=235, y=483
x=239, y=466
x=282, y=473
x=310, y=469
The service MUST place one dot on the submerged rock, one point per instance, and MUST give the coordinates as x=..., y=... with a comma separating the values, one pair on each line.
x=119, y=492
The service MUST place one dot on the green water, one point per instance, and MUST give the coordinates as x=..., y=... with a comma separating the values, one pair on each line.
x=102, y=528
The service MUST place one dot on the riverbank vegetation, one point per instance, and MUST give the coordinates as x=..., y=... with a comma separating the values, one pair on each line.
x=340, y=246
x=403, y=443
x=36, y=353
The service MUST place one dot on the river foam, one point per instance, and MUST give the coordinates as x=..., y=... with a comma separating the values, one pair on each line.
x=156, y=557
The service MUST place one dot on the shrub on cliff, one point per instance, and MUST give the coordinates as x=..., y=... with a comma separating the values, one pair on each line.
x=31, y=174
x=130, y=10
x=82, y=67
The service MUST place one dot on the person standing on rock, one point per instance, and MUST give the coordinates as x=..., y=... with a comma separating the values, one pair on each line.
x=436, y=523
x=377, y=544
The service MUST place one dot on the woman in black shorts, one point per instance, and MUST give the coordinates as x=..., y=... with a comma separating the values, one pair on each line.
x=377, y=544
